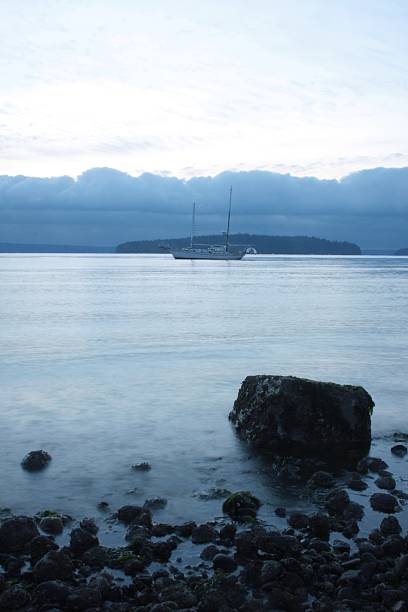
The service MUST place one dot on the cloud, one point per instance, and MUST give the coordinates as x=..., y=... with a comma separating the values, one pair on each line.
x=106, y=206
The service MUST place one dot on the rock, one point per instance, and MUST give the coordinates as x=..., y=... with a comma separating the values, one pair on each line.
x=372, y=464
x=89, y=525
x=36, y=460
x=16, y=533
x=271, y=570
x=227, y=533
x=337, y=501
x=98, y=556
x=208, y=553
x=275, y=542
x=390, y=526
x=356, y=483
x=297, y=416
x=51, y=524
x=384, y=502
x=40, y=546
x=203, y=534
x=319, y=525
x=81, y=540
x=386, y=482
x=241, y=506
x=186, y=529
x=135, y=514
x=280, y=511
x=399, y=450
x=84, y=598
x=136, y=532
x=155, y=503
x=14, y=598
x=55, y=565
x=143, y=466
x=224, y=563
x=321, y=479
x=297, y=520
x=51, y=592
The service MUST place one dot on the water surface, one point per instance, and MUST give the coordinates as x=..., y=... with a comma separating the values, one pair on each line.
x=108, y=360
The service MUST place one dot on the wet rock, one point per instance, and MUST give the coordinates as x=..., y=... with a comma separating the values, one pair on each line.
x=400, y=450
x=81, y=540
x=186, y=529
x=136, y=532
x=208, y=553
x=224, y=563
x=98, y=556
x=203, y=534
x=353, y=511
x=296, y=416
x=51, y=592
x=384, y=502
x=321, y=479
x=386, y=482
x=40, y=546
x=227, y=533
x=297, y=520
x=356, y=483
x=161, y=529
x=394, y=546
x=319, y=525
x=84, y=598
x=14, y=598
x=135, y=514
x=271, y=570
x=372, y=464
x=36, y=460
x=241, y=506
x=275, y=542
x=55, y=565
x=16, y=533
x=155, y=503
x=51, y=524
x=280, y=511
x=143, y=466
x=90, y=525
x=390, y=526
x=337, y=501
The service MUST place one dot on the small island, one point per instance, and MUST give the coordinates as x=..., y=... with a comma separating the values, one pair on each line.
x=277, y=245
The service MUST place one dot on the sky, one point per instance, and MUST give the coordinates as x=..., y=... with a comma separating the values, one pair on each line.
x=191, y=88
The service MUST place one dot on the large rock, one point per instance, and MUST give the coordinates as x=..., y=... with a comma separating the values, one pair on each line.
x=296, y=416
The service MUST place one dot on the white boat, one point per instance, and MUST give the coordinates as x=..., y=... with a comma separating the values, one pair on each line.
x=210, y=251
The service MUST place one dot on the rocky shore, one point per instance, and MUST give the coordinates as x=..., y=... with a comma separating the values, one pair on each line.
x=294, y=561
x=52, y=562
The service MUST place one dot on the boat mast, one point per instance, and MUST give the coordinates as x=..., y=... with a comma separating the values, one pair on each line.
x=229, y=219
x=192, y=227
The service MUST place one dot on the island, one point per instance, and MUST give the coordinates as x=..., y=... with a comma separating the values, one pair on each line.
x=277, y=245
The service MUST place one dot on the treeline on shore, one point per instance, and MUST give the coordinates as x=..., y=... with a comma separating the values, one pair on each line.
x=280, y=245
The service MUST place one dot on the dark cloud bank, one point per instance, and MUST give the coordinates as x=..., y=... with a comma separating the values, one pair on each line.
x=106, y=207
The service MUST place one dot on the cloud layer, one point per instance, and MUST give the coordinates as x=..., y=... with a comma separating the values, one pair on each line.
x=106, y=207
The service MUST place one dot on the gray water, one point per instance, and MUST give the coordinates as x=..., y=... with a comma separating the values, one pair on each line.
x=108, y=360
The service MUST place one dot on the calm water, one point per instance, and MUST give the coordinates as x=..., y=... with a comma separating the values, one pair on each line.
x=108, y=360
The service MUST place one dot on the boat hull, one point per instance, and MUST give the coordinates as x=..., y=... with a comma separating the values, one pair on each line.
x=208, y=256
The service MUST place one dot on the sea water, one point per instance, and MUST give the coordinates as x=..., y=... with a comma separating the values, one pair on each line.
x=109, y=360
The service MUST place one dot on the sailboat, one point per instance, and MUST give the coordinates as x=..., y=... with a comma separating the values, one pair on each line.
x=209, y=251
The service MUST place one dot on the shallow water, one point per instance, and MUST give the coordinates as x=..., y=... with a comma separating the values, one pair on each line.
x=108, y=360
